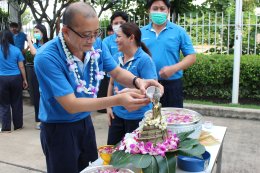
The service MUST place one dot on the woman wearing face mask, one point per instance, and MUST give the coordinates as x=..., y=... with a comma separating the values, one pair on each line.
x=118, y=18
x=135, y=57
x=165, y=40
x=40, y=35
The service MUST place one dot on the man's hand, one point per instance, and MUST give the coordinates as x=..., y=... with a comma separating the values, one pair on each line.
x=142, y=84
x=25, y=84
x=110, y=115
x=132, y=101
x=167, y=72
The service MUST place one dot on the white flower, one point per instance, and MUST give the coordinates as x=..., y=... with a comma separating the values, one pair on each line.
x=72, y=65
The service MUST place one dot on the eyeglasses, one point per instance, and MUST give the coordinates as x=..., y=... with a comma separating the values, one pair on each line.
x=98, y=33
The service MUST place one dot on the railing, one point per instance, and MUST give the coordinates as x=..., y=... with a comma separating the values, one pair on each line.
x=215, y=32
x=210, y=32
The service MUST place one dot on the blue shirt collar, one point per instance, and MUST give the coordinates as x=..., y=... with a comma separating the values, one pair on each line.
x=136, y=56
x=169, y=25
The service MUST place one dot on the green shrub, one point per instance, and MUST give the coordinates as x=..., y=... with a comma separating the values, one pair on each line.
x=211, y=77
x=29, y=57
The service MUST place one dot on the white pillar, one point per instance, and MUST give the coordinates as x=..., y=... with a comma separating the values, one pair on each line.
x=237, y=51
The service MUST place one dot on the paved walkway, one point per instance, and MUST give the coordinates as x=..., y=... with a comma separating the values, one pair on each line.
x=20, y=151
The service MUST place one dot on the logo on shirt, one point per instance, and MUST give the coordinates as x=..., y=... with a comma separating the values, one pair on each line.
x=145, y=39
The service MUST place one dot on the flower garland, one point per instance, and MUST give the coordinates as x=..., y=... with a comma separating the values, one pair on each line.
x=93, y=56
x=131, y=144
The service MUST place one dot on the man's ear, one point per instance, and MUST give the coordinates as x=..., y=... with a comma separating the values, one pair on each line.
x=64, y=30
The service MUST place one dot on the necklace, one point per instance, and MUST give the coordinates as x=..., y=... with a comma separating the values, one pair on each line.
x=93, y=56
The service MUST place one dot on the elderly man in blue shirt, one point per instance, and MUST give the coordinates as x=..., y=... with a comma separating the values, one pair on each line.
x=165, y=40
x=69, y=69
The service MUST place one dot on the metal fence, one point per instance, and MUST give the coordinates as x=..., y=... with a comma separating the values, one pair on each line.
x=209, y=32
x=214, y=32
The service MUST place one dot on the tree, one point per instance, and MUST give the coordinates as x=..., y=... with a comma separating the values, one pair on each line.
x=3, y=19
x=104, y=4
x=180, y=7
x=26, y=17
x=39, y=11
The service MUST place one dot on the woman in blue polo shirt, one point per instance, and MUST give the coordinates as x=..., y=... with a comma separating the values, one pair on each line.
x=40, y=35
x=12, y=82
x=135, y=57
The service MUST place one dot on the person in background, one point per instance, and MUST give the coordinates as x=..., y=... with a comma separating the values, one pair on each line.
x=12, y=81
x=69, y=69
x=165, y=40
x=118, y=18
x=40, y=35
x=135, y=58
x=109, y=30
x=18, y=36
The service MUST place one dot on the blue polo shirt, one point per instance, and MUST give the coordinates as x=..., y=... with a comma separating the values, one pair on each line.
x=110, y=42
x=166, y=46
x=140, y=65
x=10, y=66
x=37, y=45
x=19, y=40
x=55, y=80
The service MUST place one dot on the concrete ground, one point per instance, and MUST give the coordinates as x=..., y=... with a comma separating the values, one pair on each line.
x=20, y=151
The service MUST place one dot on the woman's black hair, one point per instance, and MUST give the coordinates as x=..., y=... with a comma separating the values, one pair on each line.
x=150, y=2
x=43, y=29
x=6, y=38
x=119, y=14
x=129, y=29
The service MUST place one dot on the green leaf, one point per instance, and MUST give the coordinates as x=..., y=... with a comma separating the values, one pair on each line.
x=188, y=143
x=120, y=159
x=197, y=150
x=183, y=135
x=153, y=167
x=166, y=164
x=141, y=160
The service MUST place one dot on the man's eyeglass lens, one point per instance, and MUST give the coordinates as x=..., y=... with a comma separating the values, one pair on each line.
x=98, y=33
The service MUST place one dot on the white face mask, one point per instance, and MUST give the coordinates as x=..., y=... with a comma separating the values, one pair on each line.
x=115, y=28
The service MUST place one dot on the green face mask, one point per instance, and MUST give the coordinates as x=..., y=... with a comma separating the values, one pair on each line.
x=158, y=18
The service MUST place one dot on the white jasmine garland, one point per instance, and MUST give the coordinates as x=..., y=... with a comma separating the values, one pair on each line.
x=93, y=56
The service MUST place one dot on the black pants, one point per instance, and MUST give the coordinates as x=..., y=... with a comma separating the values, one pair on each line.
x=173, y=93
x=11, y=101
x=68, y=147
x=119, y=127
x=36, y=95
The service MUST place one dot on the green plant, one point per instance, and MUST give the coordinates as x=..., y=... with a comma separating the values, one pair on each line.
x=29, y=57
x=4, y=17
x=158, y=164
x=214, y=73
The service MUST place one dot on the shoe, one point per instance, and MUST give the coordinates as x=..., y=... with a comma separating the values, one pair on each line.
x=18, y=128
x=38, y=126
x=5, y=131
